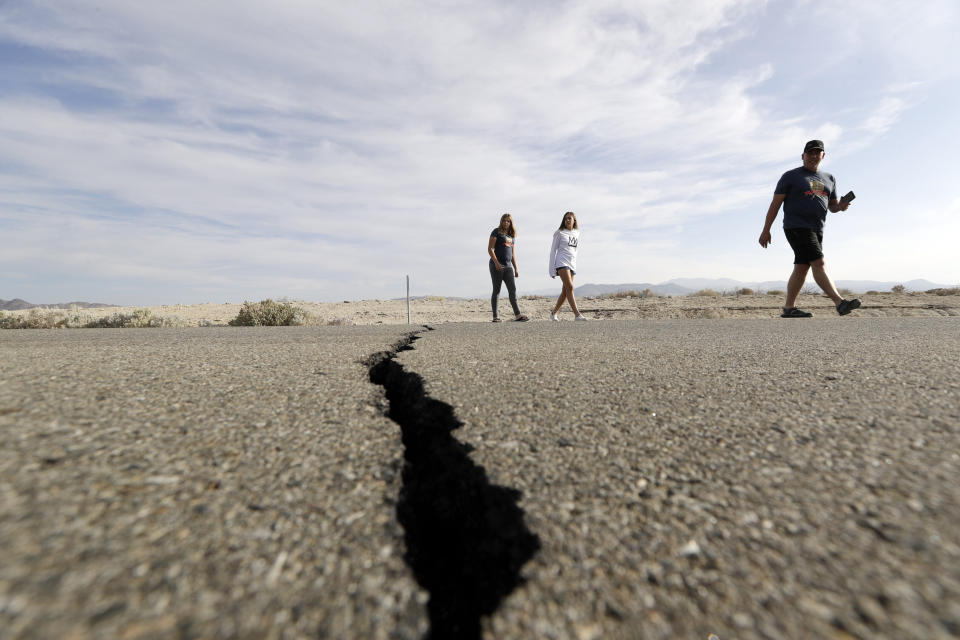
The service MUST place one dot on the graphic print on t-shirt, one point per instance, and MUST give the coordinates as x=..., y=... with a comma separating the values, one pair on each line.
x=817, y=188
x=572, y=241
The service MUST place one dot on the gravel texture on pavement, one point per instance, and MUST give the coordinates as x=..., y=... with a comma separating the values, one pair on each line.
x=608, y=479
x=744, y=478
x=200, y=483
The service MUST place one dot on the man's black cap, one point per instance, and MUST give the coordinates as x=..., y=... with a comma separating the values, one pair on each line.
x=814, y=145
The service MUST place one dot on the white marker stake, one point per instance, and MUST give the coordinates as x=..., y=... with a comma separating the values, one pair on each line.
x=408, y=299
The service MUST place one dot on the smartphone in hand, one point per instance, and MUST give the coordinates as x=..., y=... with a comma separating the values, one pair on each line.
x=848, y=197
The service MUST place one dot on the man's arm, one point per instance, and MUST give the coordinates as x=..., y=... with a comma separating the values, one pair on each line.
x=772, y=212
x=837, y=205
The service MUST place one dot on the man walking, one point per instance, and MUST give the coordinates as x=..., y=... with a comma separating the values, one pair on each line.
x=806, y=194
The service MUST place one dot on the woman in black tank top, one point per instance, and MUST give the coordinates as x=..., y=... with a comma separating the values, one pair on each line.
x=503, y=265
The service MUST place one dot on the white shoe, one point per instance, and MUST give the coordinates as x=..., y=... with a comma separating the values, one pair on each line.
x=583, y=318
x=554, y=317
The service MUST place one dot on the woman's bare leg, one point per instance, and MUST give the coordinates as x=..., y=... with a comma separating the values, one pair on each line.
x=567, y=276
x=563, y=296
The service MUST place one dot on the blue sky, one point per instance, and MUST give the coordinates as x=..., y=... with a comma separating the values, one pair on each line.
x=184, y=152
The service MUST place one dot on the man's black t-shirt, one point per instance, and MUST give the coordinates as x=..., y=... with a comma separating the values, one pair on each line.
x=808, y=197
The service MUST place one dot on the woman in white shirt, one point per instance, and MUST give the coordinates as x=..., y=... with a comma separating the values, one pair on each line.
x=563, y=262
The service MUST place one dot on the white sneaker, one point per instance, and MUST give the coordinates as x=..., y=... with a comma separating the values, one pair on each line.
x=583, y=318
x=554, y=317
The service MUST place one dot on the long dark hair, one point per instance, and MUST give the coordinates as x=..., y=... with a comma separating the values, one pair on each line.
x=569, y=213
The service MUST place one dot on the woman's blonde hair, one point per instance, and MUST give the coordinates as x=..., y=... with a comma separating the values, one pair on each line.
x=569, y=213
x=513, y=229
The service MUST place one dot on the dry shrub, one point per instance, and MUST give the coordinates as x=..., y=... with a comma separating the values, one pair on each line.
x=533, y=296
x=49, y=319
x=42, y=319
x=706, y=293
x=945, y=291
x=139, y=319
x=627, y=293
x=845, y=292
x=268, y=313
x=873, y=293
x=745, y=291
x=898, y=288
x=775, y=292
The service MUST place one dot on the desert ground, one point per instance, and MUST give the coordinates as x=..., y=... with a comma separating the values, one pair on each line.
x=437, y=309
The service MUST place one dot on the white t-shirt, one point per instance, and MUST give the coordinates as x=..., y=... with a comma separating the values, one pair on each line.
x=563, y=251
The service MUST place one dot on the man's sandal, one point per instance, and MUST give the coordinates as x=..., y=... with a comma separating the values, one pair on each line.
x=846, y=306
x=793, y=312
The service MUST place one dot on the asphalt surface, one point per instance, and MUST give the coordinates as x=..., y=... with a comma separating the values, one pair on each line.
x=609, y=479
x=200, y=483
x=750, y=479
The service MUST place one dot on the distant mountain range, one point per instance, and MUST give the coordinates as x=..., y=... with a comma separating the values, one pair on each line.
x=17, y=304
x=685, y=286
x=675, y=287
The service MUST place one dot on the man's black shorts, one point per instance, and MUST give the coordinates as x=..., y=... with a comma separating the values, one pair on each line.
x=807, y=244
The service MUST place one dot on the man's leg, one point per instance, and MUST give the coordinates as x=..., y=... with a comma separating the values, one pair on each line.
x=795, y=284
x=823, y=280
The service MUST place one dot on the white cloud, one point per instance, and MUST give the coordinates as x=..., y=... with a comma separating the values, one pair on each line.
x=370, y=139
x=885, y=115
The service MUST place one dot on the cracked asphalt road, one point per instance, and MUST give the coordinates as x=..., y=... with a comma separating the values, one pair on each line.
x=751, y=479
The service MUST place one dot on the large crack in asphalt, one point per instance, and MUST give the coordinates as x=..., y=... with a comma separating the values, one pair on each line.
x=465, y=538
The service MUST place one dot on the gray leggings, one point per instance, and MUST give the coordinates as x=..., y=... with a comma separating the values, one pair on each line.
x=498, y=278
